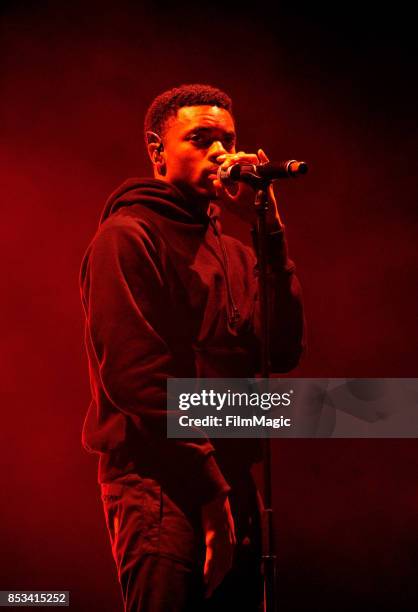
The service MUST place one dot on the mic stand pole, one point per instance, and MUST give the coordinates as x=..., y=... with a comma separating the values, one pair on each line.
x=268, y=555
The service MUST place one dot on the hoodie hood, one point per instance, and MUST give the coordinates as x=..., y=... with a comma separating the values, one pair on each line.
x=162, y=197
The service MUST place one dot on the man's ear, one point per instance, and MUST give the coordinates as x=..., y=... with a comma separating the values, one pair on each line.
x=155, y=147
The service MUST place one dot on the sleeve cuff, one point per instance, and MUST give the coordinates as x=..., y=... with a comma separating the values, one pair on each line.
x=277, y=258
x=211, y=483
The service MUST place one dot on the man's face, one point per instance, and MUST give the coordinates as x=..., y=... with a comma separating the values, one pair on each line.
x=193, y=140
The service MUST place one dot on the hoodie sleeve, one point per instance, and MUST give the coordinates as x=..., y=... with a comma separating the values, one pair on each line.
x=122, y=289
x=287, y=323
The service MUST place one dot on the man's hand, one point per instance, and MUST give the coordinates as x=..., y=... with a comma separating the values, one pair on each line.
x=239, y=197
x=219, y=530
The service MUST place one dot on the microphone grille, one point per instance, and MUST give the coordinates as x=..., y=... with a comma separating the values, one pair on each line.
x=231, y=173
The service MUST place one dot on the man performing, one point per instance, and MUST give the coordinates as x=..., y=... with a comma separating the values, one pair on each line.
x=166, y=294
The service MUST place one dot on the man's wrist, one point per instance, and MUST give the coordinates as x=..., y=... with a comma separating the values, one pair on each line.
x=273, y=222
x=273, y=226
x=276, y=247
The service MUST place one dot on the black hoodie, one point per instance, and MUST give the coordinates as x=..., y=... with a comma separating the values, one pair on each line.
x=166, y=296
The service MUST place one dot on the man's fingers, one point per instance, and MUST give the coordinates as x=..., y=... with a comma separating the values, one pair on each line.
x=213, y=579
x=211, y=574
x=216, y=567
x=219, y=530
x=229, y=159
x=208, y=580
x=262, y=157
x=208, y=568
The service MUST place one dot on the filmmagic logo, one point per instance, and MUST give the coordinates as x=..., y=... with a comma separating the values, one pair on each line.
x=229, y=399
x=234, y=421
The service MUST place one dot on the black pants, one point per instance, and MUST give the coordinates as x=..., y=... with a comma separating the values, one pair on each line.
x=159, y=550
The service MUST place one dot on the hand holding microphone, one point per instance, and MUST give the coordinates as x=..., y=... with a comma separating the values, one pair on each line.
x=236, y=195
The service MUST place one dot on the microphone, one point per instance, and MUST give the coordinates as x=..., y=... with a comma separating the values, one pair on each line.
x=269, y=171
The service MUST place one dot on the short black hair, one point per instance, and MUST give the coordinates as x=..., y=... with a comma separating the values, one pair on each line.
x=168, y=103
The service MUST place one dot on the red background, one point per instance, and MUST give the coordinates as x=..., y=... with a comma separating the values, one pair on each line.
x=334, y=88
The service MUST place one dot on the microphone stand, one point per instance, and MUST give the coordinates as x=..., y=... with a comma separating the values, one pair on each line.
x=261, y=185
x=248, y=174
x=268, y=554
